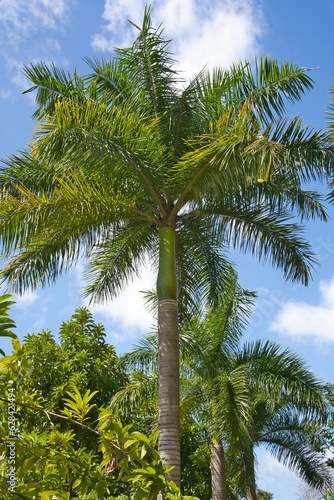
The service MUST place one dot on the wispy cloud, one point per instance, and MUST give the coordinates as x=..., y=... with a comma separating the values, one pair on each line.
x=5, y=93
x=26, y=299
x=275, y=476
x=20, y=20
x=215, y=33
x=29, y=31
x=308, y=321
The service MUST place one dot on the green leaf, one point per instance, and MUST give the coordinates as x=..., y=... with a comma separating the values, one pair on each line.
x=77, y=483
x=29, y=463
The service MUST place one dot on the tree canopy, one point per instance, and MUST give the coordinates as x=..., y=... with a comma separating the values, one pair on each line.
x=129, y=164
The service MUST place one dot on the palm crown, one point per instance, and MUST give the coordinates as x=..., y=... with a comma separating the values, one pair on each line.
x=129, y=163
x=125, y=151
x=237, y=395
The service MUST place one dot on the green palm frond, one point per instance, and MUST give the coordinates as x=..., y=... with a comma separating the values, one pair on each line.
x=150, y=65
x=118, y=257
x=7, y=324
x=265, y=88
x=330, y=129
x=52, y=84
x=330, y=111
x=203, y=265
x=283, y=196
x=232, y=415
x=35, y=174
x=278, y=85
x=272, y=238
x=106, y=82
x=269, y=86
x=300, y=458
x=225, y=325
x=116, y=143
x=144, y=355
x=140, y=392
x=284, y=375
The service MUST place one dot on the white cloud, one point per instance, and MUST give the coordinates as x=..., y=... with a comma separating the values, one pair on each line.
x=126, y=317
x=27, y=33
x=129, y=309
x=215, y=33
x=5, y=93
x=117, y=30
x=275, y=477
x=304, y=320
x=21, y=19
x=272, y=467
x=26, y=299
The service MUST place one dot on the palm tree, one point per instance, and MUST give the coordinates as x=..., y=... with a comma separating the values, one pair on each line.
x=129, y=165
x=243, y=396
x=286, y=404
x=250, y=395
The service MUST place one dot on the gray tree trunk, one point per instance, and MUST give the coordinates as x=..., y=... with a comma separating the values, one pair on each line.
x=251, y=487
x=251, y=493
x=169, y=397
x=218, y=472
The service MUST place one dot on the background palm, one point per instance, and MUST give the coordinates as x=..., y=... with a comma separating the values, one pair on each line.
x=287, y=403
x=127, y=166
x=239, y=396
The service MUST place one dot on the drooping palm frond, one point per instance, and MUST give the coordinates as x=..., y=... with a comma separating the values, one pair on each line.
x=293, y=448
x=330, y=128
x=285, y=376
x=219, y=330
x=330, y=111
x=231, y=412
x=273, y=238
x=52, y=85
x=281, y=196
x=29, y=171
x=139, y=395
x=265, y=88
x=202, y=265
x=7, y=324
x=117, y=258
x=271, y=86
x=107, y=83
x=144, y=356
x=53, y=231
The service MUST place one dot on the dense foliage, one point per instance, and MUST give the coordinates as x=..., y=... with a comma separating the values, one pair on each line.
x=235, y=397
x=58, y=415
x=129, y=164
x=56, y=423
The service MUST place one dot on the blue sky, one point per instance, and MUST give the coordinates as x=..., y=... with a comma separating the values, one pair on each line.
x=204, y=33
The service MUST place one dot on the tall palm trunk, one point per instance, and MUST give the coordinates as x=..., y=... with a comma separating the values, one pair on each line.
x=250, y=477
x=218, y=472
x=251, y=492
x=168, y=347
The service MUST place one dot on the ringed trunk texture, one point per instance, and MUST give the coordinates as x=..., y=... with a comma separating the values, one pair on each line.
x=169, y=394
x=251, y=493
x=168, y=355
x=218, y=472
